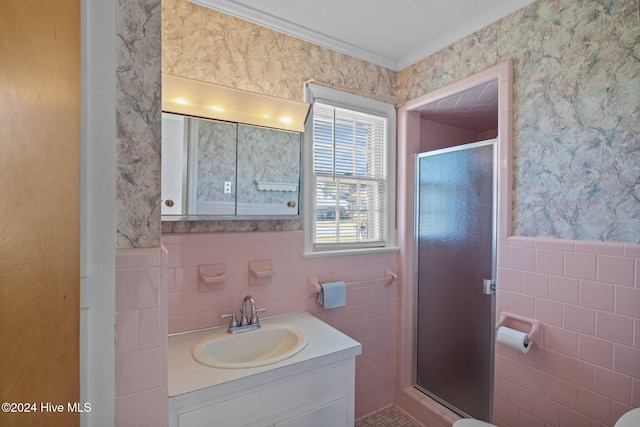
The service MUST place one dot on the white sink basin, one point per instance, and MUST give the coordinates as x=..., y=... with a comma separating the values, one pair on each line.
x=270, y=344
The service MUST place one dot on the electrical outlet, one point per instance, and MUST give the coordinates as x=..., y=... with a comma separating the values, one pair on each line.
x=227, y=187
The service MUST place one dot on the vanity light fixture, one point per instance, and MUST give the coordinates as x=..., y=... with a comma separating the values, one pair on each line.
x=201, y=99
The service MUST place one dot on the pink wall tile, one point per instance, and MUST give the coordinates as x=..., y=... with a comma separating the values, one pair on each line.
x=580, y=265
x=148, y=407
x=588, y=365
x=569, y=417
x=577, y=372
x=519, y=396
x=505, y=413
x=549, y=362
x=138, y=371
x=554, y=244
x=370, y=316
x=137, y=288
x=150, y=328
x=126, y=411
x=626, y=360
x=619, y=409
x=563, y=392
x=509, y=279
x=523, y=258
x=550, y=262
x=612, y=384
x=596, y=351
x=635, y=393
x=127, y=325
x=533, y=379
x=522, y=304
x=548, y=312
x=564, y=289
x=616, y=270
x=602, y=248
x=141, y=367
x=535, y=284
x=614, y=328
x=594, y=406
x=628, y=301
x=597, y=295
x=527, y=420
x=523, y=242
x=562, y=341
x=580, y=319
x=545, y=409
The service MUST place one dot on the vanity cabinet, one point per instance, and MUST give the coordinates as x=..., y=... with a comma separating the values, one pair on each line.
x=321, y=397
x=315, y=387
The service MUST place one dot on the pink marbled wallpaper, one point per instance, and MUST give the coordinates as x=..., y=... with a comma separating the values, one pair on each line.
x=207, y=45
x=577, y=98
x=138, y=106
x=577, y=112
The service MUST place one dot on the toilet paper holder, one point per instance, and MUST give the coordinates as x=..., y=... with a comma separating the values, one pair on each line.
x=528, y=326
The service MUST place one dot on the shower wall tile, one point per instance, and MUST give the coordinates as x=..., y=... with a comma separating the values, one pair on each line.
x=586, y=370
x=371, y=316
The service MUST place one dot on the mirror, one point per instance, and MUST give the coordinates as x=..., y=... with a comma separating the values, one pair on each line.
x=214, y=169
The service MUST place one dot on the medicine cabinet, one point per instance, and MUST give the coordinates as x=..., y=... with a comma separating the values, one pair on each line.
x=214, y=169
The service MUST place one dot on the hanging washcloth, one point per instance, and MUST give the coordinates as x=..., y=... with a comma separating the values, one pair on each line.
x=333, y=295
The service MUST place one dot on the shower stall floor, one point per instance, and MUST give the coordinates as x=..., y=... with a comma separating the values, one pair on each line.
x=390, y=416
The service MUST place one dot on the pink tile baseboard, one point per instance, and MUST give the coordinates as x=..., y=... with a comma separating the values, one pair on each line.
x=588, y=365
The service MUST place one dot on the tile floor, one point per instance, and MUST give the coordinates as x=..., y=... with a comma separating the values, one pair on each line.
x=391, y=416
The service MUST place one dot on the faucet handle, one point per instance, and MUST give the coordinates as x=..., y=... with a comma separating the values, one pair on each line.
x=233, y=322
x=254, y=316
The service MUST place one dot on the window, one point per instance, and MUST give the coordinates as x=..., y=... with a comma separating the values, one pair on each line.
x=349, y=172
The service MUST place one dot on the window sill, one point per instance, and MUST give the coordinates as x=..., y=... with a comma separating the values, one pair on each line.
x=344, y=252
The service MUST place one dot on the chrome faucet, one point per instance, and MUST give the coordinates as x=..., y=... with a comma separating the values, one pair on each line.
x=246, y=323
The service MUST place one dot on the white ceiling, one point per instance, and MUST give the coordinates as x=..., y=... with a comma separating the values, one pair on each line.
x=391, y=33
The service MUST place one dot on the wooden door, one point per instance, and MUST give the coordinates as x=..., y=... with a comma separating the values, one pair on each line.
x=39, y=211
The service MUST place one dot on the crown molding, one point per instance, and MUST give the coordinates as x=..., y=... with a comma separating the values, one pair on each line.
x=275, y=23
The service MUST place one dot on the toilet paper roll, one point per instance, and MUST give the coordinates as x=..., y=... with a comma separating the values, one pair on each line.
x=513, y=339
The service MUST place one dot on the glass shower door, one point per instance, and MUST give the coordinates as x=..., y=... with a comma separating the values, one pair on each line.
x=455, y=252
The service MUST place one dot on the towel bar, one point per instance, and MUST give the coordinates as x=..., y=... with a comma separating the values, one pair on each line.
x=314, y=282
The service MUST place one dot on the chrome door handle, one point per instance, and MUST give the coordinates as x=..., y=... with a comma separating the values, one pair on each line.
x=488, y=286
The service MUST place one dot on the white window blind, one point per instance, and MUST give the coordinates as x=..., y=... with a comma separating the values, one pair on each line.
x=349, y=178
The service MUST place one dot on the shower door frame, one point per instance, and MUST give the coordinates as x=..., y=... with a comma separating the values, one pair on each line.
x=407, y=397
x=494, y=261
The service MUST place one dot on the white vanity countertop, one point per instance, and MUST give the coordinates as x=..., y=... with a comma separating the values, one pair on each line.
x=326, y=344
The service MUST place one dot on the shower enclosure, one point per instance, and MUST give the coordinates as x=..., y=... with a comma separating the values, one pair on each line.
x=455, y=265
